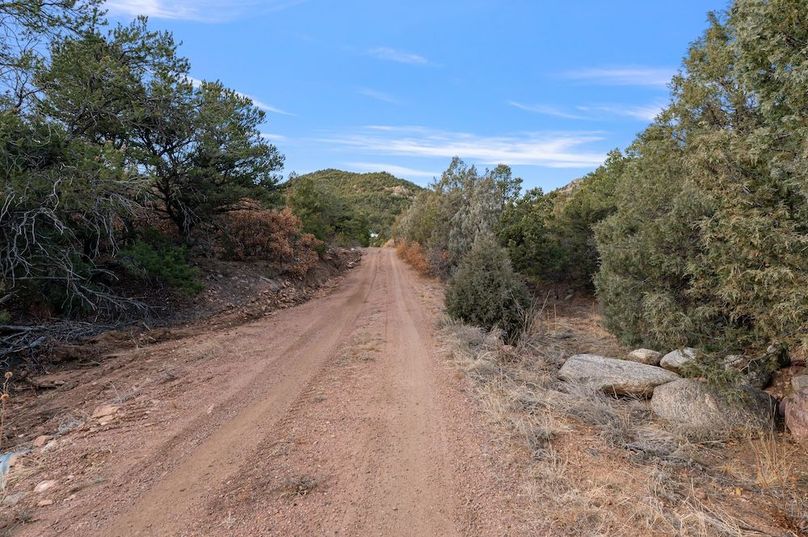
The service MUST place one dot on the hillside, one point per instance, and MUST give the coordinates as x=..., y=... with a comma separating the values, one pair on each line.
x=379, y=196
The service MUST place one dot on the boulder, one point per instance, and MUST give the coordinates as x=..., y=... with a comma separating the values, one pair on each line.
x=799, y=382
x=614, y=376
x=796, y=415
x=676, y=360
x=644, y=356
x=695, y=406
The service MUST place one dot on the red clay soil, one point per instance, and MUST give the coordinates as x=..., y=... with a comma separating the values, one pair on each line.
x=334, y=417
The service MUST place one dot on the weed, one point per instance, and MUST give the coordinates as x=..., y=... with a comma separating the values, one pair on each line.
x=298, y=486
x=4, y=398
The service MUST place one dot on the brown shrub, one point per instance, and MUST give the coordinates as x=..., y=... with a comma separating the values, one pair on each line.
x=275, y=236
x=413, y=254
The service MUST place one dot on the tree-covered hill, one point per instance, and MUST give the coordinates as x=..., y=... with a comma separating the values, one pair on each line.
x=371, y=199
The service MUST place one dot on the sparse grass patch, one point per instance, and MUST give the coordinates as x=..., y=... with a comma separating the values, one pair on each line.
x=774, y=461
x=600, y=465
x=298, y=486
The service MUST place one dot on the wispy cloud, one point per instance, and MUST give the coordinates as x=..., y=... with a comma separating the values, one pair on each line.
x=622, y=76
x=546, y=110
x=547, y=149
x=273, y=137
x=257, y=102
x=378, y=95
x=197, y=10
x=642, y=112
x=598, y=112
x=399, y=56
x=402, y=171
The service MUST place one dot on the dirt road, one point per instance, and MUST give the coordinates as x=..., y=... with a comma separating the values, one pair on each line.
x=336, y=417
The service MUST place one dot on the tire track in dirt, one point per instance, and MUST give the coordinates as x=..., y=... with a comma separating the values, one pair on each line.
x=167, y=507
x=339, y=419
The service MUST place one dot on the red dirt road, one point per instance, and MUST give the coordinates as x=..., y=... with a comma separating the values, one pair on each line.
x=336, y=417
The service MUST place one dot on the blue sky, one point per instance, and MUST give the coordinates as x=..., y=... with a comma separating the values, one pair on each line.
x=547, y=87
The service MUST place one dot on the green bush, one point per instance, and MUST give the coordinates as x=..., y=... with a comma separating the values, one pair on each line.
x=486, y=292
x=550, y=237
x=708, y=244
x=162, y=263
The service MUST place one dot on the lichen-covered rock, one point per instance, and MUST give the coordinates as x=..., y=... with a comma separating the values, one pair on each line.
x=695, y=406
x=677, y=360
x=620, y=377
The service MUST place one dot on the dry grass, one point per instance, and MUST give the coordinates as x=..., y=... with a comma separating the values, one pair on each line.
x=774, y=461
x=413, y=254
x=599, y=465
x=298, y=486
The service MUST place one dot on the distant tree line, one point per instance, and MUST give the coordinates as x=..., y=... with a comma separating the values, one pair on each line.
x=698, y=233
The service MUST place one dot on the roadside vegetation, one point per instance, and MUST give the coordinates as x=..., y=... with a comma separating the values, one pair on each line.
x=692, y=243
x=697, y=234
x=350, y=208
x=125, y=180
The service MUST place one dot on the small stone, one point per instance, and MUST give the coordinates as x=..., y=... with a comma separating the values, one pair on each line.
x=13, y=499
x=105, y=410
x=44, y=503
x=41, y=440
x=44, y=486
x=106, y=420
x=677, y=360
x=799, y=382
x=644, y=356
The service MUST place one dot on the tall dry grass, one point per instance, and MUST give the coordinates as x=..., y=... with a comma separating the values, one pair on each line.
x=413, y=254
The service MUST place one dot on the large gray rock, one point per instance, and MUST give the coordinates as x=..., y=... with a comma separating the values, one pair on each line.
x=695, y=406
x=644, y=356
x=614, y=376
x=676, y=360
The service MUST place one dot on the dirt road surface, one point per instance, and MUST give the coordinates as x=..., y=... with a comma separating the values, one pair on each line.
x=335, y=417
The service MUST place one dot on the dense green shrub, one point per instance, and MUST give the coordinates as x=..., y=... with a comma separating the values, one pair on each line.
x=485, y=291
x=458, y=207
x=162, y=263
x=709, y=244
x=377, y=197
x=326, y=215
x=550, y=237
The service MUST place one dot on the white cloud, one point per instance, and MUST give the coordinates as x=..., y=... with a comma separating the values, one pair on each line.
x=197, y=10
x=546, y=110
x=394, y=169
x=546, y=149
x=622, y=76
x=599, y=112
x=399, y=56
x=257, y=102
x=273, y=137
x=266, y=107
x=641, y=112
x=378, y=95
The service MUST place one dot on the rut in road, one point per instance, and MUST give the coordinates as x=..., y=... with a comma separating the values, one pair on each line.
x=343, y=421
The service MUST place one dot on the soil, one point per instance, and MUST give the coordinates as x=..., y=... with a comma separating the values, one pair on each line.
x=337, y=416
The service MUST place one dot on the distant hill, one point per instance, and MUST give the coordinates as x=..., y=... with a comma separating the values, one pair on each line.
x=378, y=196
